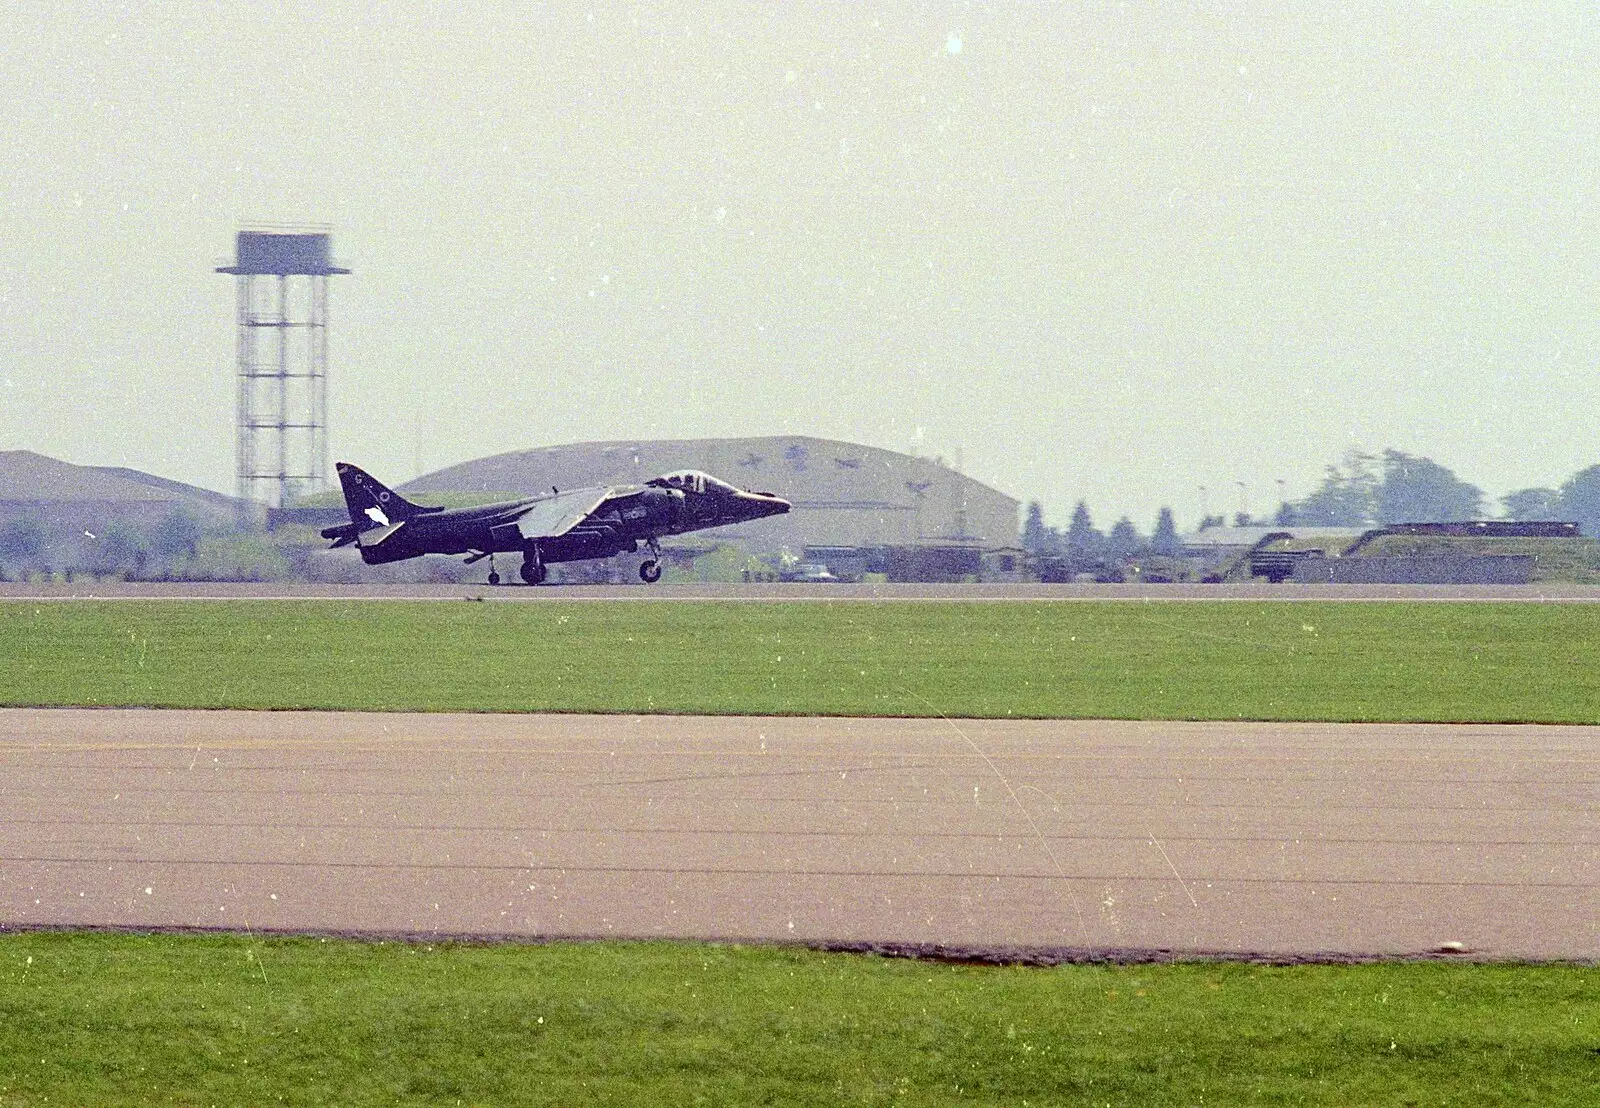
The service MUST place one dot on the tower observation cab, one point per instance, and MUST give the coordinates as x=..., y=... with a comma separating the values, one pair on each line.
x=281, y=445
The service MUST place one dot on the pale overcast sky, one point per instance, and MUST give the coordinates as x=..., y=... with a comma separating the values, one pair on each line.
x=1104, y=251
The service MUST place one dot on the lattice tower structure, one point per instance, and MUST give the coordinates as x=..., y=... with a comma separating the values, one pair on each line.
x=281, y=423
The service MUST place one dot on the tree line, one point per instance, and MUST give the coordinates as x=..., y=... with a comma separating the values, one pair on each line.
x=1361, y=490
x=1083, y=548
x=1367, y=490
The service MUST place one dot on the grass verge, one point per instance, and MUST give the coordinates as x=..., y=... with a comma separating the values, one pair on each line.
x=115, y=1019
x=1267, y=661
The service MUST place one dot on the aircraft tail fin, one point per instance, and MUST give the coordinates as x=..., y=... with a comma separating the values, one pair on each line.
x=373, y=504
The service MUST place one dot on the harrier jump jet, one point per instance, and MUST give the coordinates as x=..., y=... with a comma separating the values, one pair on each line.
x=562, y=527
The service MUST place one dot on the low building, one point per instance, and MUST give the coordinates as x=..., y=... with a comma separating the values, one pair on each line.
x=1219, y=552
x=1217, y=544
x=1005, y=564
x=1461, y=552
x=923, y=562
x=1446, y=569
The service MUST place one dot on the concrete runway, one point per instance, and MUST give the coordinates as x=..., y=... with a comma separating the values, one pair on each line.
x=1549, y=592
x=1121, y=838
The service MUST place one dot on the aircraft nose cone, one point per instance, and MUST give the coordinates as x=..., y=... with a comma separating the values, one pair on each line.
x=761, y=504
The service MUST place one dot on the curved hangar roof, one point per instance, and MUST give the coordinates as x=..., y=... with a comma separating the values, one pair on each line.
x=843, y=494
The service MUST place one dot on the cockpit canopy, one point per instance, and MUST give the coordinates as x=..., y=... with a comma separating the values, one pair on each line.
x=692, y=480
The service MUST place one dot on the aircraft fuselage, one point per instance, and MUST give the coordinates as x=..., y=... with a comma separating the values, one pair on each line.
x=631, y=514
x=562, y=527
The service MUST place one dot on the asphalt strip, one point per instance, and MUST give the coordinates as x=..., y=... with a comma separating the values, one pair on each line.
x=990, y=840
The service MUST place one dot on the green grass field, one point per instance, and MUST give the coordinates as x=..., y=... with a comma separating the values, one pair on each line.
x=1249, y=660
x=127, y=1019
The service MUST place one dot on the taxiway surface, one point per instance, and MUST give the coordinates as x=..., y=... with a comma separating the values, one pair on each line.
x=1280, y=839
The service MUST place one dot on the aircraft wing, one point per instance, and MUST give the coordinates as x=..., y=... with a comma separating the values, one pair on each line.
x=556, y=515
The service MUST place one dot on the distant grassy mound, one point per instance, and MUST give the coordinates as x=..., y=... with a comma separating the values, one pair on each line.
x=1576, y=560
x=137, y=1019
x=1572, y=560
x=1204, y=660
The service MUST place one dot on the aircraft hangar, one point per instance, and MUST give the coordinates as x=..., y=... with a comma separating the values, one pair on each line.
x=844, y=494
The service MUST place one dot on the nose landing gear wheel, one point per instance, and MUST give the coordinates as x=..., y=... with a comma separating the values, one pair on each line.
x=650, y=571
x=494, y=576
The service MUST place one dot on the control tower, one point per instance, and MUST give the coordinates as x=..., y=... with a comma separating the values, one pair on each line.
x=281, y=448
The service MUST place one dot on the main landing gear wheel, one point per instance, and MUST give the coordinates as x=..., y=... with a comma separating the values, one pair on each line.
x=533, y=571
x=650, y=568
